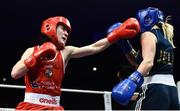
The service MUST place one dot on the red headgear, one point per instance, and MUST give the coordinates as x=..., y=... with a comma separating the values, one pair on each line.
x=49, y=27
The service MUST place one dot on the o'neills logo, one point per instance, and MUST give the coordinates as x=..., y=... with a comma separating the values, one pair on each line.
x=48, y=101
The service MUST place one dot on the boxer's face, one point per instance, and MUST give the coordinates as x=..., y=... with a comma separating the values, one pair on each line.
x=62, y=35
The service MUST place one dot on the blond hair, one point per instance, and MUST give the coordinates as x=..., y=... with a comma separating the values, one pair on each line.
x=168, y=30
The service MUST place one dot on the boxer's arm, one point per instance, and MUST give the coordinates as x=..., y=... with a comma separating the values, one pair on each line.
x=99, y=46
x=148, y=43
x=131, y=57
x=127, y=30
x=129, y=52
x=19, y=69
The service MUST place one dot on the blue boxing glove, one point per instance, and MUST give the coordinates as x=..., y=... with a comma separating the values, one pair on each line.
x=113, y=27
x=124, y=45
x=124, y=90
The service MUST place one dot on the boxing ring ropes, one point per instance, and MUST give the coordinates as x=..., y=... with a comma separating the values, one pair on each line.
x=106, y=94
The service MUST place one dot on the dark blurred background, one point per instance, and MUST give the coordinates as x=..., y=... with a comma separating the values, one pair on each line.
x=20, y=28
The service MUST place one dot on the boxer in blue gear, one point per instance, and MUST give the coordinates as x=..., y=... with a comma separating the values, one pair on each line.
x=158, y=91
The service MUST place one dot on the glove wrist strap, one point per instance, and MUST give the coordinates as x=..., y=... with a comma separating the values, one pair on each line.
x=137, y=77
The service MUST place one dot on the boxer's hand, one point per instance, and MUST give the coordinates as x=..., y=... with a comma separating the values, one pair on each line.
x=123, y=91
x=127, y=30
x=122, y=44
x=46, y=51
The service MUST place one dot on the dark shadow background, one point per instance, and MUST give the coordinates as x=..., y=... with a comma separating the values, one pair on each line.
x=20, y=23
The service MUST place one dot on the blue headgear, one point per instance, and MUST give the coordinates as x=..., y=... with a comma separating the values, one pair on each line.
x=113, y=27
x=149, y=17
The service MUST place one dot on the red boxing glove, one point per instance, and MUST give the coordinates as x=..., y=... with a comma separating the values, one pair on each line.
x=125, y=31
x=46, y=51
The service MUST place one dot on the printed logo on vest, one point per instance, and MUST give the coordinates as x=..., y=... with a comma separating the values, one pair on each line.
x=48, y=101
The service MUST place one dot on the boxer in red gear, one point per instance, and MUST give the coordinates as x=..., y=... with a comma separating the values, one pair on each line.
x=44, y=65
